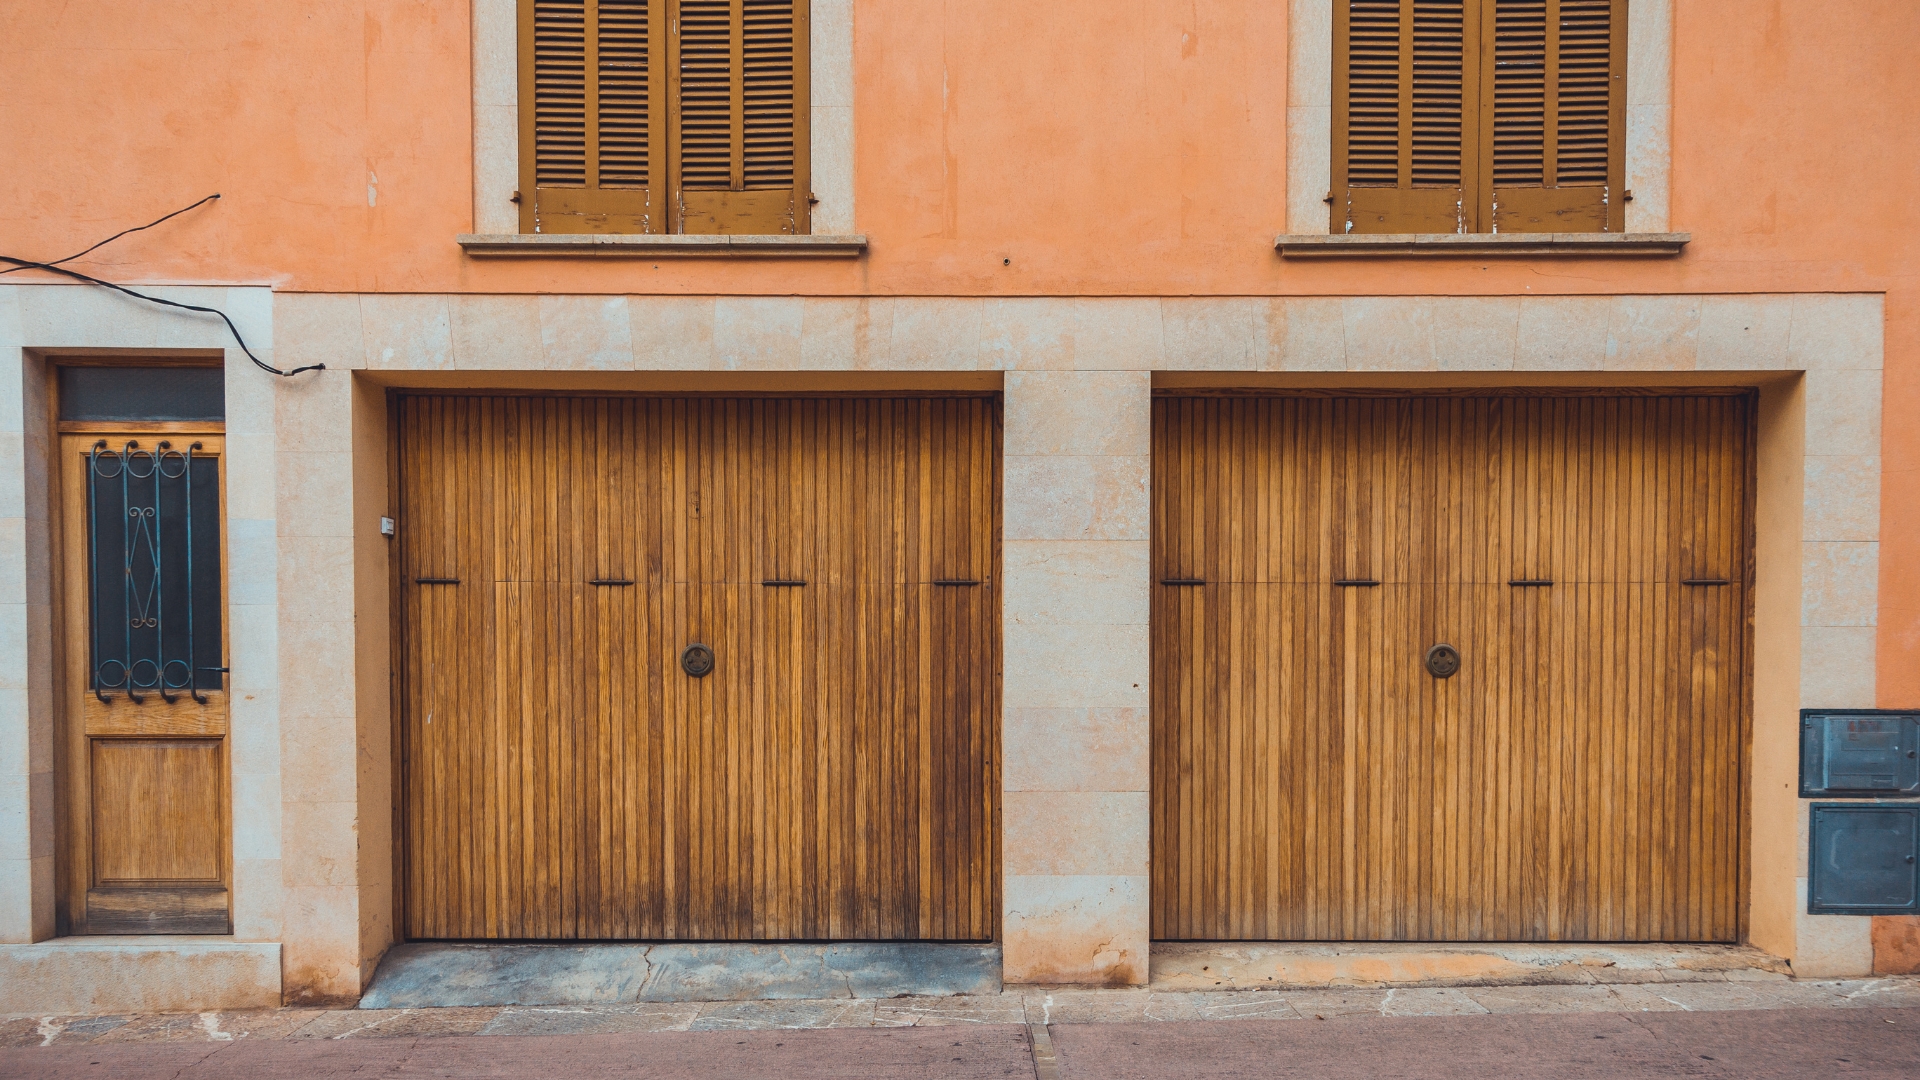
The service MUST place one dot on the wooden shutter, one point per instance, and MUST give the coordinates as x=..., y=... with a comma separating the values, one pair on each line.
x=1404, y=115
x=1557, y=122
x=591, y=75
x=1478, y=116
x=740, y=86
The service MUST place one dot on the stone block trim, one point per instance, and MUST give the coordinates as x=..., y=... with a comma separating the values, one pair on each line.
x=311, y=859
x=438, y=975
x=131, y=975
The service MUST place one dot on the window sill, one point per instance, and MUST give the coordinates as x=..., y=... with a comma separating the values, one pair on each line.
x=1481, y=245
x=657, y=246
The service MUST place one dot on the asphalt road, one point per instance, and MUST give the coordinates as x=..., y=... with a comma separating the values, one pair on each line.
x=1790, y=1043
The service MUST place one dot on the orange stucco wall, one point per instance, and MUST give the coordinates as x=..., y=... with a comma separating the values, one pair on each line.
x=1103, y=146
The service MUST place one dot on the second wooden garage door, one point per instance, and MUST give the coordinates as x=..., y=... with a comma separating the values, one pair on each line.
x=832, y=777
x=1582, y=776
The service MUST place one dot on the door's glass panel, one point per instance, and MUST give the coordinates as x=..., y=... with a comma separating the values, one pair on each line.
x=142, y=393
x=153, y=525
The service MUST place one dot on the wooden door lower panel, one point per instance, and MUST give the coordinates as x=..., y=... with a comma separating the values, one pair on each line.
x=158, y=845
x=774, y=800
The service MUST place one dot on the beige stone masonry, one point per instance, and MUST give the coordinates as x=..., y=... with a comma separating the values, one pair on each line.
x=309, y=614
x=1074, y=635
x=95, y=975
x=1076, y=496
x=1828, y=333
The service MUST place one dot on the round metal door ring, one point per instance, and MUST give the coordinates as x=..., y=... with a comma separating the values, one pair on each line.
x=1442, y=661
x=696, y=660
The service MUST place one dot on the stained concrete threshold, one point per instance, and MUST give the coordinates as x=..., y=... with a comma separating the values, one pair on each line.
x=1273, y=966
x=426, y=975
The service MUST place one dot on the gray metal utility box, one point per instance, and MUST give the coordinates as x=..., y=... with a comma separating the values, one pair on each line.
x=1868, y=752
x=1865, y=860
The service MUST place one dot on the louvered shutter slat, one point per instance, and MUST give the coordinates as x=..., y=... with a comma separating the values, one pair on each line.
x=1583, y=92
x=706, y=95
x=1519, y=92
x=1373, y=94
x=625, y=68
x=560, y=93
x=768, y=109
x=1439, y=29
x=589, y=73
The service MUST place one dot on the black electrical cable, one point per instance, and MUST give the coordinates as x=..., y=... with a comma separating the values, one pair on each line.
x=118, y=235
x=54, y=267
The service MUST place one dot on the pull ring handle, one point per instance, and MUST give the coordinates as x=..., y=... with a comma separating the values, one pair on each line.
x=1443, y=661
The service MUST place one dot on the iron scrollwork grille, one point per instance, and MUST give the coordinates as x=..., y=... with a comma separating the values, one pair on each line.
x=153, y=554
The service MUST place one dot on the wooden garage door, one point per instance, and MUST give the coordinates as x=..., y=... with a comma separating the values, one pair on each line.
x=833, y=776
x=1581, y=778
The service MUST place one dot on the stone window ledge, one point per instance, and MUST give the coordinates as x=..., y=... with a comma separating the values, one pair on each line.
x=657, y=246
x=1480, y=245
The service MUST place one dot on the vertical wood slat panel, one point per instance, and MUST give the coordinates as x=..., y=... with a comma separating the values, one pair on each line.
x=834, y=778
x=1580, y=779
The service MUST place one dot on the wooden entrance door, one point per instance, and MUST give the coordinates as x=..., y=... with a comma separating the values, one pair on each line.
x=1582, y=776
x=832, y=777
x=142, y=681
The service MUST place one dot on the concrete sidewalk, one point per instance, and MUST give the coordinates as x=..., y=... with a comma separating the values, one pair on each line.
x=1797, y=1042
x=1753, y=991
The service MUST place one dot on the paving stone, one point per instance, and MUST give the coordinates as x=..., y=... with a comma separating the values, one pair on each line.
x=1165, y=1006
x=1639, y=998
x=1755, y=975
x=1328, y=1004
x=1795, y=1043
x=590, y=1019
x=1201, y=966
x=1725, y=996
x=389, y=1023
x=1686, y=975
x=1242, y=1005
x=765, y=1015
x=947, y=1012
x=423, y=975
x=58, y=1030
x=214, y=1026
x=1430, y=1002
x=1087, y=1006
x=1546, y=999
x=1891, y=993
x=22, y=1031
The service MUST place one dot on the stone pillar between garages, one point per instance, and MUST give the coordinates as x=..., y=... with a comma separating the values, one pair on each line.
x=334, y=741
x=1075, y=736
